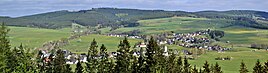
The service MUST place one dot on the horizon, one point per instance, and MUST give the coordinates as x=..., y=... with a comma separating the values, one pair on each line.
x=18, y=8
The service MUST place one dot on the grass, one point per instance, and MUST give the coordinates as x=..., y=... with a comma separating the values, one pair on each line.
x=232, y=66
x=237, y=35
x=82, y=44
x=240, y=37
x=34, y=37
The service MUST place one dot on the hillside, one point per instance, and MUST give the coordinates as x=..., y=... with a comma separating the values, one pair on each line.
x=238, y=35
x=115, y=18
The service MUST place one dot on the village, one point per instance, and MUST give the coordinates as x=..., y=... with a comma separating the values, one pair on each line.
x=198, y=40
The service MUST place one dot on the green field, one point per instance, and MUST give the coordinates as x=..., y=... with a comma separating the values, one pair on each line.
x=35, y=37
x=238, y=36
x=82, y=44
x=232, y=66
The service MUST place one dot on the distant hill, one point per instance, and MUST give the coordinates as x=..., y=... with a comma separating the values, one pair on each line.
x=114, y=17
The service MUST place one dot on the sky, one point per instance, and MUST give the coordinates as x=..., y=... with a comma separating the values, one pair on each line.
x=16, y=8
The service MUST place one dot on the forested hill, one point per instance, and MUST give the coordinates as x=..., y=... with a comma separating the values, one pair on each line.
x=114, y=17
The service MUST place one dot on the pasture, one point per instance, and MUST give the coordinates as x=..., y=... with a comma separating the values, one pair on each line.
x=82, y=44
x=237, y=35
x=34, y=37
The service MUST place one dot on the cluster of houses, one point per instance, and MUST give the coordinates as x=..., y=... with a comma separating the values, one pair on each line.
x=71, y=58
x=196, y=39
x=124, y=35
x=191, y=40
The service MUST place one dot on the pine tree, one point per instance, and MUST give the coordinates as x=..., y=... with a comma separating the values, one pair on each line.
x=217, y=68
x=92, y=61
x=243, y=68
x=160, y=60
x=24, y=60
x=186, y=66
x=111, y=66
x=59, y=62
x=141, y=60
x=79, y=68
x=179, y=65
x=206, y=68
x=135, y=65
x=104, y=66
x=150, y=53
x=194, y=70
x=68, y=68
x=123, y=57
x=4, y=47
x=265, y=67
x=258, y=67
x=200, y=70
x=171, y=63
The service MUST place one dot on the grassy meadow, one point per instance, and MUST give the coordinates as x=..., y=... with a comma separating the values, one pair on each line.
x=82, y=44
x=239, y=37
x=34, y=37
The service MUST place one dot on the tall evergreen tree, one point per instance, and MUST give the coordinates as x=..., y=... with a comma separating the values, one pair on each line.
x=79, y=68
x=265, y=67
x=179, y=65
x=206, y=68
x=217, y=68
x=186, y=66
x=135, y=65
x=258, y=67
x=150, y=53
x=68, y=69
x=111, y=65
x=24, y=60
x=92, y=61
x=141, y=60
x=194, y=70
x=123, y=57
x=243, y=68
x=59, y=62
x=4, y=47
x=104, y=66
x=171, y=63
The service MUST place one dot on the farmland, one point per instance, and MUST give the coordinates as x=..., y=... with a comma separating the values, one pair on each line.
x=240, y=37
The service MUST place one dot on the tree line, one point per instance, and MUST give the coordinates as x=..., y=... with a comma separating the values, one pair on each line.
x=23, y=60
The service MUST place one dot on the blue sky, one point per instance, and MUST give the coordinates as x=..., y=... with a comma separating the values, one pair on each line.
x=15, y=8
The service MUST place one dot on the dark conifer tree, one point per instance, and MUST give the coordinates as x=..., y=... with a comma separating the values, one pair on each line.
x=104, y=66
x=179, y=65
x=258, y=67
x=200, y=70
x=243, y=68
x=141, y=60
x=59, y=62
x=4, y=47
x=92, y=61
x=150, y=53
x=171, y=63
x=217, y=68
x=186, y=66
x=265, y=67
x=123, y=57
x=68, y=69
x=194, y=70
x=135, y=65
x=206, y=68
x=79, y=68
